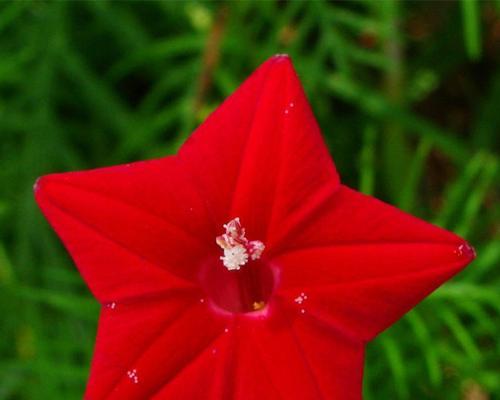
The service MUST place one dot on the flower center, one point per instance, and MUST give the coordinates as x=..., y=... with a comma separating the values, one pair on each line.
x=239, y=281
x=237, y=248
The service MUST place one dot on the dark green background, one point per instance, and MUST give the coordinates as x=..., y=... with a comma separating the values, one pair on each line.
x=407, y=95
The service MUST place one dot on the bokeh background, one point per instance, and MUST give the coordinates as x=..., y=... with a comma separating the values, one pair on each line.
x=408, y=98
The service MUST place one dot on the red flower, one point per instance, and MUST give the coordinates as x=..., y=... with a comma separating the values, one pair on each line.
x=276, y=305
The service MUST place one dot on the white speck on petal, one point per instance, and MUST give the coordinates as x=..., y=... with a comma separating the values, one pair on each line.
x=132, y=375
x=301, y=298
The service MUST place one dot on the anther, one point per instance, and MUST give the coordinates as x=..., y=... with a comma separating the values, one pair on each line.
x=237, y=248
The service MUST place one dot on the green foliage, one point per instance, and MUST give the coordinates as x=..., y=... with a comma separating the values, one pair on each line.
x=406, y=93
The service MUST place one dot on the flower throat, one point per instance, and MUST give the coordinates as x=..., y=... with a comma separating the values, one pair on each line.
x=238, y=281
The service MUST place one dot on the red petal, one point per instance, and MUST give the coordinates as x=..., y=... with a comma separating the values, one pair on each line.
x=120, y=225
x=198, y=379
x=274, y=347
x=213, y=373
x=156, y=353
x=260, y=156
x=336, y=361
x=363, y=264
x=252, y=378
x=126, y=329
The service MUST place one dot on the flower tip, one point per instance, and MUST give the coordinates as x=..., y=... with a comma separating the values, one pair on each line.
x=471, y=251
x=281, y=58
x=40, y=185
x=40, y=190
x=282, y=65
x=466, y=251
x=36, y=185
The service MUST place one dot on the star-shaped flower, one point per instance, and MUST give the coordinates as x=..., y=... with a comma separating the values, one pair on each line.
x=241, y=268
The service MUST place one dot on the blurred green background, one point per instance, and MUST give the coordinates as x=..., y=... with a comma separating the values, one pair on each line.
x=407, y=95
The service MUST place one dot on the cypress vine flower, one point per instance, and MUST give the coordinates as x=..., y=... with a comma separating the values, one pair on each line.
x=241, y=268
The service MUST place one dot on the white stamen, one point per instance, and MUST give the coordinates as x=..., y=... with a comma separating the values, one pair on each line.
x=255, y=248
x=235, y=257
x=237, y=248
